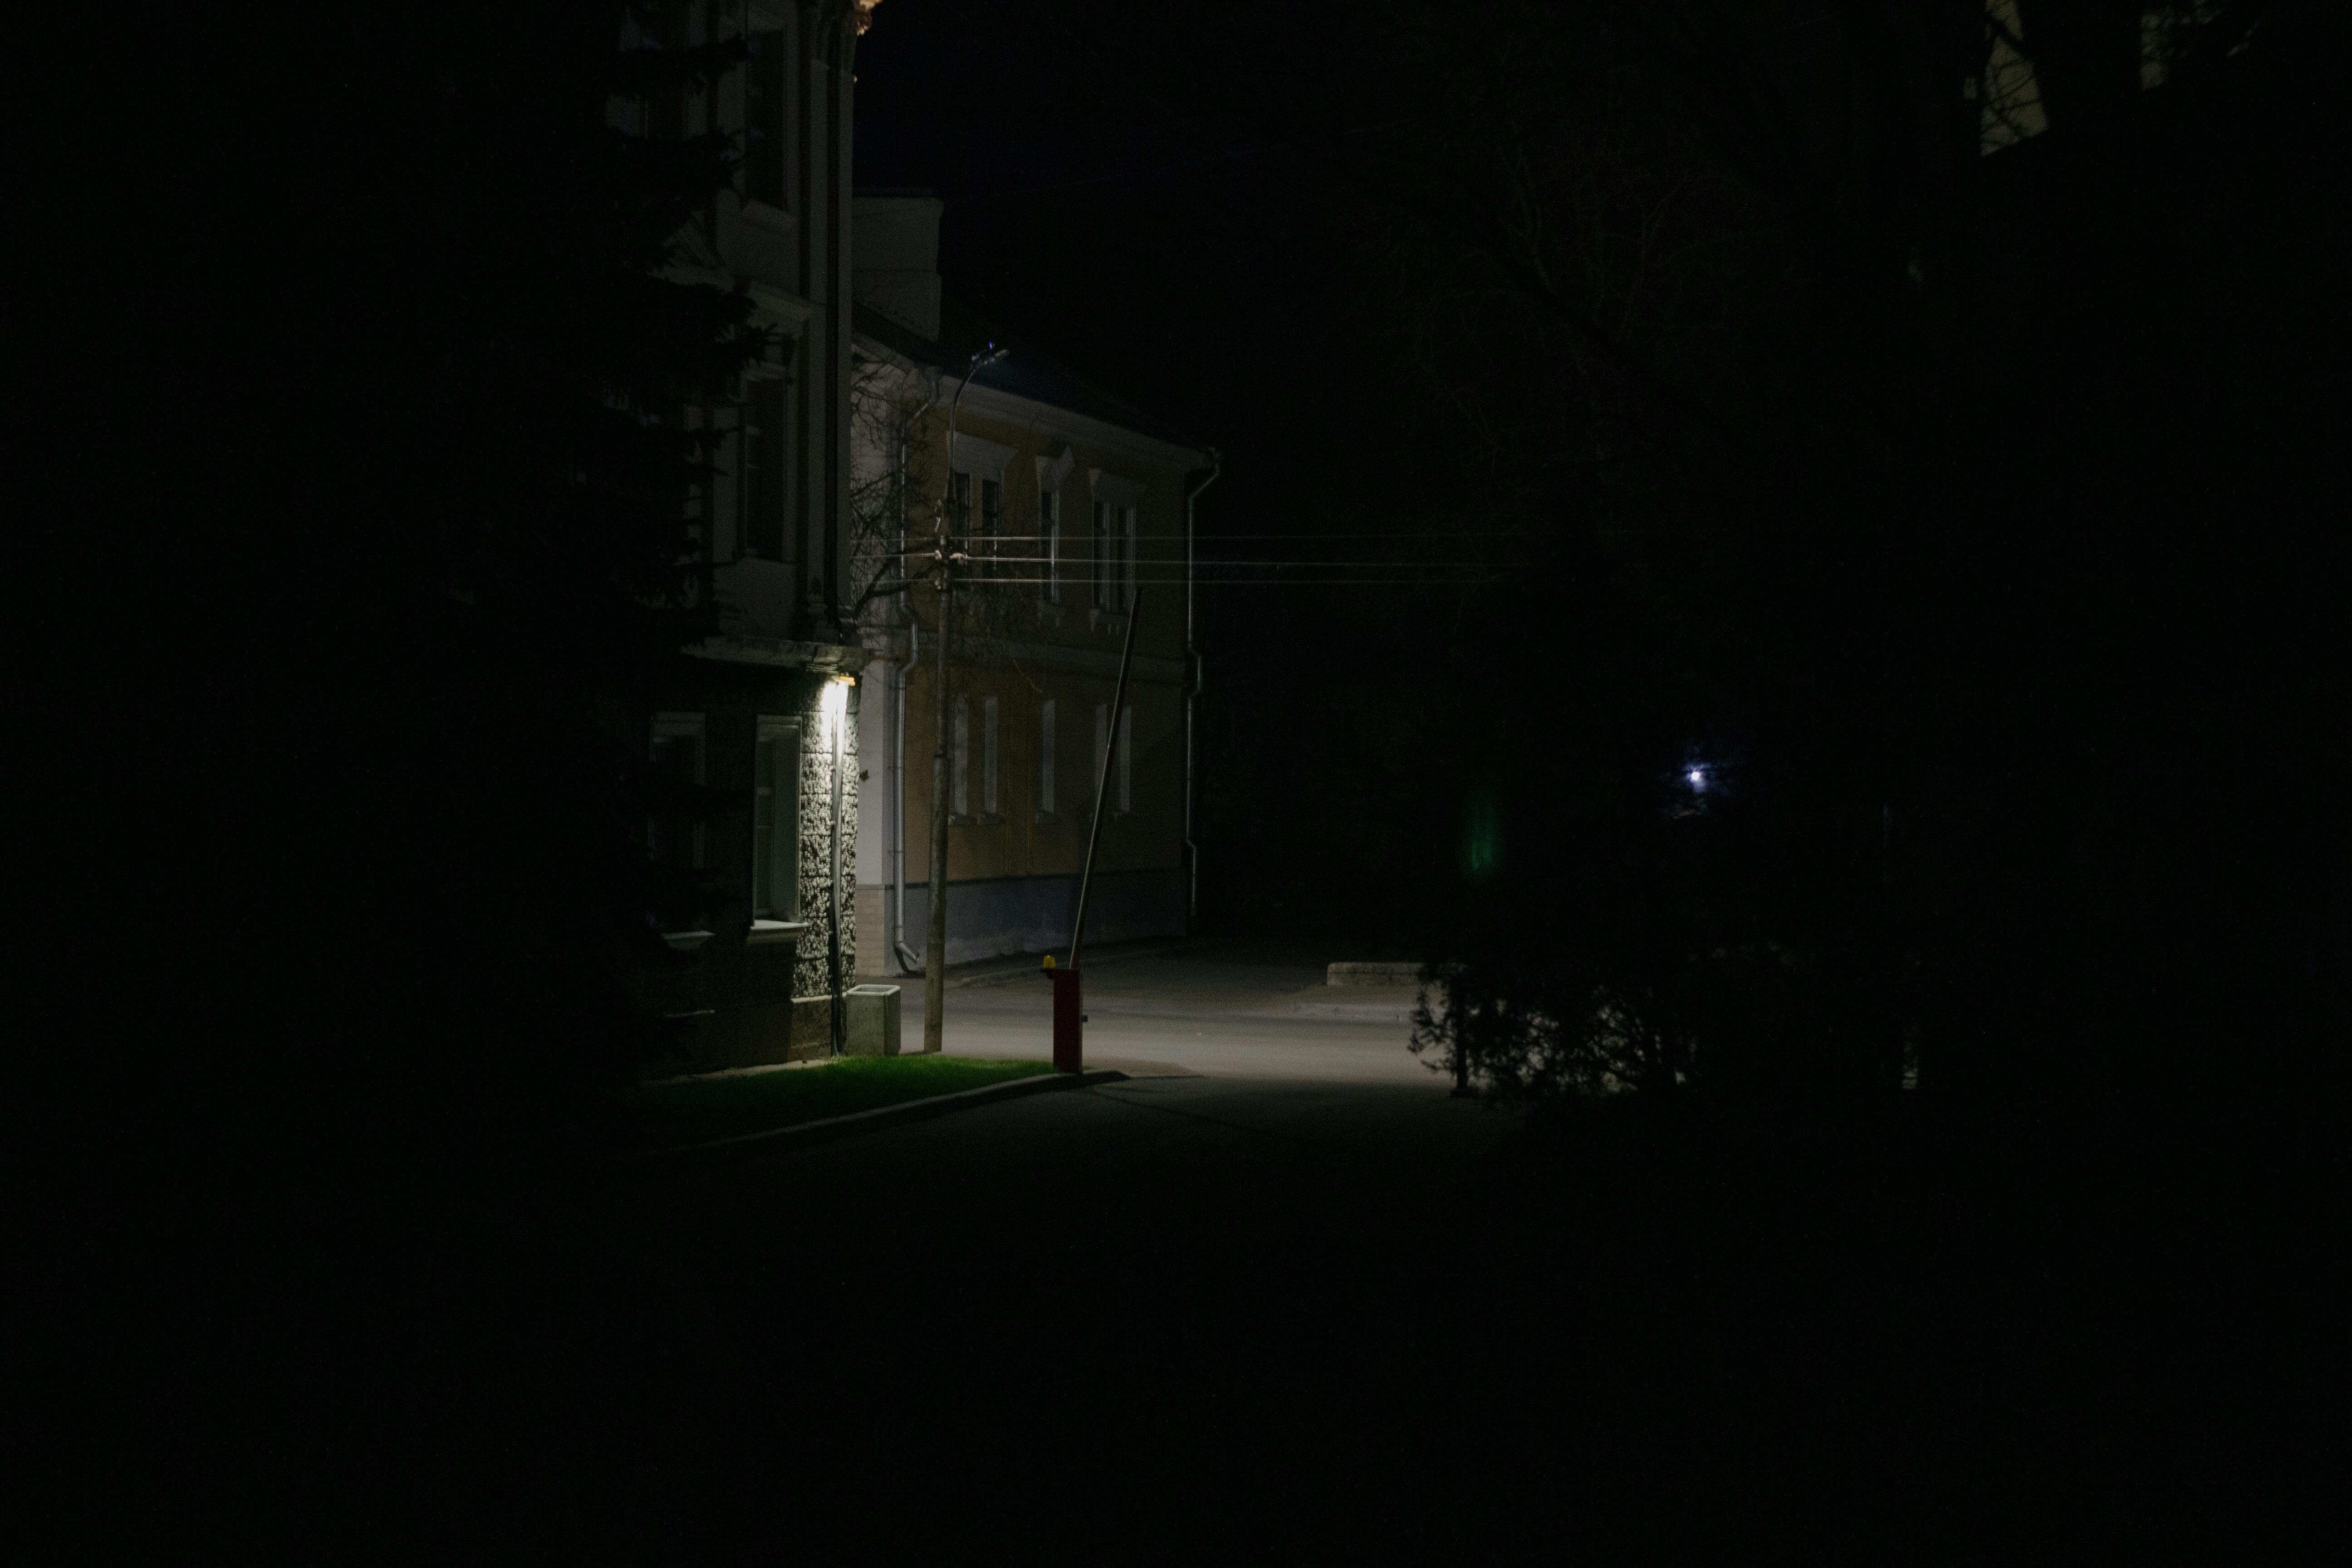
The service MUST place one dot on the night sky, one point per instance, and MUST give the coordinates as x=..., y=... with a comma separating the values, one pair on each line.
x=1124, y=185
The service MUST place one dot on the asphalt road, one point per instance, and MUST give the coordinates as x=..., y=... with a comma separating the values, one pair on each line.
x=1233, y=1271
x=1278, y=1293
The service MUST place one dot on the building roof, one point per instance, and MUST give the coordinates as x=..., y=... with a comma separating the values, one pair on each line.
x=1025, y=371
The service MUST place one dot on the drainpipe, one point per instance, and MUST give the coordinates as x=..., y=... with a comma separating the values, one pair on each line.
x=909, y=963
x=1191, y=704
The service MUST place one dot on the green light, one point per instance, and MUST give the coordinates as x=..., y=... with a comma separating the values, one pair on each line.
x=1486, y=842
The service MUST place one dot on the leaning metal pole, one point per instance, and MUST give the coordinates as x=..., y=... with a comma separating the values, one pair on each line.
x=1102, y=784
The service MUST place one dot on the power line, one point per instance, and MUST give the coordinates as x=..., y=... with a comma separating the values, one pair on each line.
x=1244, y=581
x=977, y=560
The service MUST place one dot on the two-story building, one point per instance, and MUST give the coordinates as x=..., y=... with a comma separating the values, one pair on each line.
x=764, y=714
x=1076, y=508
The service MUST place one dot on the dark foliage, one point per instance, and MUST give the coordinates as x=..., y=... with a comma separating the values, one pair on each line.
x=1944, y=697
x=440, y=499
x=407, y=501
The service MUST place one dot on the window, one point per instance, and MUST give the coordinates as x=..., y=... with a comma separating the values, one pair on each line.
x=1102, y=745
x=776, y=820
x=1045, y=758
x=988, y=756
x=673, y=828
x=763, y=469
x=1126, y=758
x=1127, y=548
x=763, y=118
x=992, y=519
x=701, y=510
x=960, y=504
x=1049, y=531
x=959, y=760
x=1102, y=555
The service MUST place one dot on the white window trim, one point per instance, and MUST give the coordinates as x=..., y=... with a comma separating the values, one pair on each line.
x=770, y=728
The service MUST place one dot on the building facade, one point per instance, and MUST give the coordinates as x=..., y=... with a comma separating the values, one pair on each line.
x=764, y=715
x=1075, y=506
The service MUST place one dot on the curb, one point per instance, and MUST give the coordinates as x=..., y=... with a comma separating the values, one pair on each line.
x=808, y=1134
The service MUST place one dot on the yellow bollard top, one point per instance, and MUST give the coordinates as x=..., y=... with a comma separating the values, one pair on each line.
x=1049, y=961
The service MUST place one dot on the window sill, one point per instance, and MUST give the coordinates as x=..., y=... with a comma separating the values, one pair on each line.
x=686, y=940
x=764, y=933
x=759, y=214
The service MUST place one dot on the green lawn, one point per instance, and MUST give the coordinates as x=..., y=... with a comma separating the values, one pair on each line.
x=695, y=1111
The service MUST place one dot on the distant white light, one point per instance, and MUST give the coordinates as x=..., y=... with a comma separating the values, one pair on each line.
x=1698, y=777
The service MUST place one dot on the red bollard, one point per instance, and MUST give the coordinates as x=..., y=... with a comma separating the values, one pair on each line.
x=1069, y=1022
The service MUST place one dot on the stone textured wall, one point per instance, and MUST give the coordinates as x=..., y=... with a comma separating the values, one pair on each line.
x=811, y=977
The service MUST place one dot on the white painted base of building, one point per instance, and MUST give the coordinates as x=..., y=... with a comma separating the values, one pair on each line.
x=1002, y=915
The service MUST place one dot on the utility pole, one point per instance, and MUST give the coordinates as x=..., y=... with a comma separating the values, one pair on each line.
x=948, y=557
x=935, y=936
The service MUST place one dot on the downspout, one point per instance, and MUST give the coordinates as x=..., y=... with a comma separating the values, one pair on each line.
x=1191, y=704
x=909, y=962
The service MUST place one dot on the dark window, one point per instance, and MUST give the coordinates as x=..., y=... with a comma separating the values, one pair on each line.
x=959, y=506
x=1102, y=556
x=775, y=821
x=991, y=515
x=763, y=470
x=1049, y=525
x=673, y=835
x=763, y=118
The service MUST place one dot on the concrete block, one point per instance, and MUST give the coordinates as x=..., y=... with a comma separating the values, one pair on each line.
x=873, y=1019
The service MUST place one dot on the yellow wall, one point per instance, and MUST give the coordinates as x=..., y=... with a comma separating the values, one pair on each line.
x=994, y=663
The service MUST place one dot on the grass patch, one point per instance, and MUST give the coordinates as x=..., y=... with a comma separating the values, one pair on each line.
x=696, y=1110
